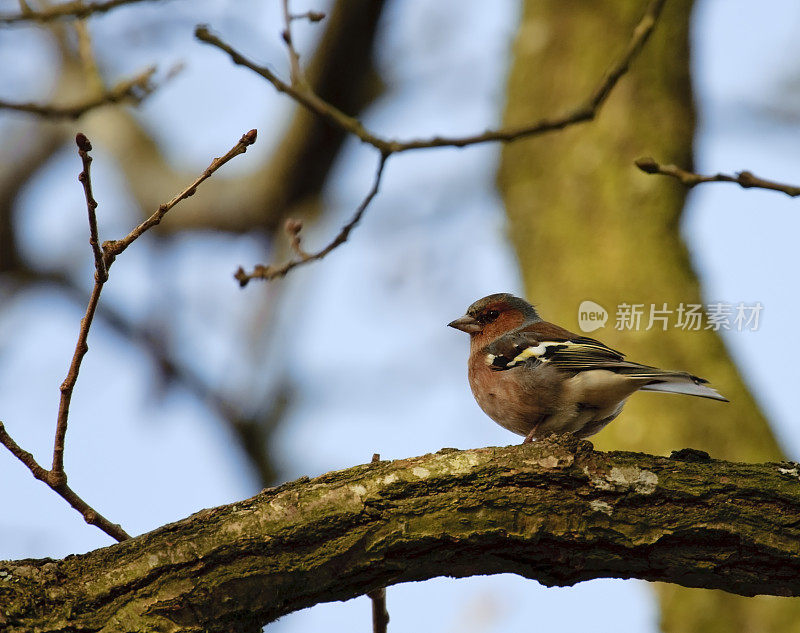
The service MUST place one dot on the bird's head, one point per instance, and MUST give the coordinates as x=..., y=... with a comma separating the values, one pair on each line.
x=495, y=315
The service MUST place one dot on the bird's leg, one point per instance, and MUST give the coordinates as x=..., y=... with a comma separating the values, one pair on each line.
x=529, y=437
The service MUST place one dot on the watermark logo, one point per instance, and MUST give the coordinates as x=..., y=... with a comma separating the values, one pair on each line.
x=591, y=316
x=684, y=316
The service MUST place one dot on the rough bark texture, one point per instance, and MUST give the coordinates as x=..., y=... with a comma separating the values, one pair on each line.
x=587, y=224
x=555, y=511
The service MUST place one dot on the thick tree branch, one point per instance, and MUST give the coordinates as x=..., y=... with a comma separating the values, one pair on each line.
x=555, y=511
x=744, y=179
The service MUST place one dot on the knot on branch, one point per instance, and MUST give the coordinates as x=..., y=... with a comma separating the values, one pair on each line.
x=56, y=478
x=690, y=455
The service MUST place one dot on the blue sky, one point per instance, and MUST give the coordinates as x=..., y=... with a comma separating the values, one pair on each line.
x=145, y=460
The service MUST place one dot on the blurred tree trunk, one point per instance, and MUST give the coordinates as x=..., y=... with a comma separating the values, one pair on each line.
x=586, y=224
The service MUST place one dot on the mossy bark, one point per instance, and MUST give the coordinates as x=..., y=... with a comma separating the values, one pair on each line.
x=586, y=224
x=555, y=511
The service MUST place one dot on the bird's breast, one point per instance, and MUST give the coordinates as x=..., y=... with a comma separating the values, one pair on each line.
x=517, y=399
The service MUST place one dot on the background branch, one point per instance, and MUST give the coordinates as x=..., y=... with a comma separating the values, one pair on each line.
x=555, y=511
x=289, y=182
x=744, y=179
x=302, y=94
x=295, y=71
x=72, y=9
x=584, y=112
x=133, y=90
x=273, y=272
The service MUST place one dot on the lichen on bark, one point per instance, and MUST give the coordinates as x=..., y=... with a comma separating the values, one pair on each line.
x=556, y=511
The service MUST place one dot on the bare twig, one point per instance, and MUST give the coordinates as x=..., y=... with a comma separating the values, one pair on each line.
x=57, y=474
x=72, y=9
x=112, y=248
x=134, y=90
x=744, y=179
x=273, y=272
x=305, y=98
x=252, y=429
x=311, y=16
x=295, y=73
x=24, y=456
x=585, y=111
x=68, y=385
x=84, y=147
x=380, y=614
x=293, y=228
x=89, y=514
x=56, y=477
x=303, y=95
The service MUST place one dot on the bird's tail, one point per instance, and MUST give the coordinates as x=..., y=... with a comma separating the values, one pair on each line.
x=681, y=382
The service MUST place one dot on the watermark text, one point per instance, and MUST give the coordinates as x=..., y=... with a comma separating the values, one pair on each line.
x=739, y=317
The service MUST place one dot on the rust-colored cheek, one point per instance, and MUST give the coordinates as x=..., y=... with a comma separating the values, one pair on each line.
x=504, y=323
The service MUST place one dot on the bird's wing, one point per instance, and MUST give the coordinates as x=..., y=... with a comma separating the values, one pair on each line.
x=543, y=342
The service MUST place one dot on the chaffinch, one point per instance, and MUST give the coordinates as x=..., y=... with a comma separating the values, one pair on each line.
x=535, y=378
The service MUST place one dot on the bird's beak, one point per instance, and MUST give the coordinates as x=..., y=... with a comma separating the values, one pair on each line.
x=466, y=324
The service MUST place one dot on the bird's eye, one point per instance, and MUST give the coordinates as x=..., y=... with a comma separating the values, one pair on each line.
x=488, y=316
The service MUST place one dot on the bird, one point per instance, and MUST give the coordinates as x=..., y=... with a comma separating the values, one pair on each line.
x=537, y=379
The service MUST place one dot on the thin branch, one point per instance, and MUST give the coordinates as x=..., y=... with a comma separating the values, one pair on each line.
x=134, y=90
x=156, y=346
x=112, y=248
x=311, y=16
x=84, y=147
x=584, y=112
x=744, y=179
x=56, y=477
x=305, y=98
x=302, y=94
x=24, y=456
x=57, y=474
x=273, y=272
x=380, y=614
x=295, y=72
x=72, y=9
x=60, y=487
x=68, y=386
